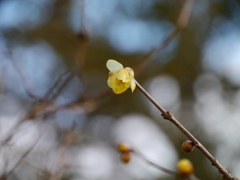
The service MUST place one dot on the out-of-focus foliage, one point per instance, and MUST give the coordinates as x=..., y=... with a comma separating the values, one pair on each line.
x=196, y=77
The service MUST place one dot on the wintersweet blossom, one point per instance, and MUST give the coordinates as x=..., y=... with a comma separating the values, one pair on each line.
x=120, y=78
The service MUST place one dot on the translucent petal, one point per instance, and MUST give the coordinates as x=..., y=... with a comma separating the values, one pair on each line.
x=113, y=65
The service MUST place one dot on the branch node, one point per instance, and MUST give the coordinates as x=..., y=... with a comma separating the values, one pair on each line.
x=215, y=161
x=197, y=144
x=170, y=114
x=165, y=115
x=82, y=36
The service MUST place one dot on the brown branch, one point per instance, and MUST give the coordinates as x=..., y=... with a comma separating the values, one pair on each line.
x=167, y=115
x=82, y=7
x=42, y=104
x=39, y=107
x=58, y=86
x=181, y=23
x=185, y=13
x=82, y=38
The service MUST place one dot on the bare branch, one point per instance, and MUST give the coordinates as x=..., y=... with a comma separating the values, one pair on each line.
x=185, y=13
x=22, y=76
x=22, y=157
x=82, y=38
x=67, y=140
x=182, y=21
x=58, y=86
x=161, y=168
x=167, y=115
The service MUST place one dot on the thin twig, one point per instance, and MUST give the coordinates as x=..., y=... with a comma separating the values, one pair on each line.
x=181, y=23
x=58, y=86
x=185, y=13
x=51, y=94
x=62, y=86
x=22, y=157
x=154, y=164
x=67, y=140
x=82, y=37
x=39, y=170
x=161, y=168
x=61, y=165
x=10, y=134
x=83, y=28
x=22, y=76
x=167, y=115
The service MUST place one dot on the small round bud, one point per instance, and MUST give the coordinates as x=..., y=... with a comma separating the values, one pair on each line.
x=184, y=167
x=187, y=146
x=125, y=157
x=124, y=148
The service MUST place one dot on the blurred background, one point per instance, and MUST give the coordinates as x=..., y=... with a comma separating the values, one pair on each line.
x=58, y=118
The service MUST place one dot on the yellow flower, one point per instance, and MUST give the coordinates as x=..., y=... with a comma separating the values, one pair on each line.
x=120, y=78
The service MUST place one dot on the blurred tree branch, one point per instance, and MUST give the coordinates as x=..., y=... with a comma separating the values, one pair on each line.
x=181, y=23
x=21, y=75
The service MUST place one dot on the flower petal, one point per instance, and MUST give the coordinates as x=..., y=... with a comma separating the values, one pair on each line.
x=119, y=90
x=123, y=75
x=113, y=65
x=119, y=86
x=131, y=73
x=110, y=82
x=133, y=85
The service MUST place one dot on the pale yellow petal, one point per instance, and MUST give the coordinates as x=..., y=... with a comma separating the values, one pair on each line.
x=131, y=72
x=133, y=85
x=113, y=65
x=120, y=87
x=119, y=90
x=109, y=82
x=123, y=75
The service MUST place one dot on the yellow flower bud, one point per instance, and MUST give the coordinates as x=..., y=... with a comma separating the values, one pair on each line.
x=185, y=167
x=120, y=78
x=125, y=157
x=124, y=148
x=187, y=146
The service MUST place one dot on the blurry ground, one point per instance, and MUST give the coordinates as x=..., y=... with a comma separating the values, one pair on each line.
x=69, y=129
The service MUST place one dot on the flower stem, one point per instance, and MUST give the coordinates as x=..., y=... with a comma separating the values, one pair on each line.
x=167, y=115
